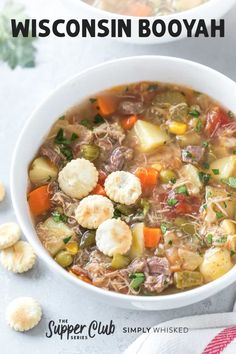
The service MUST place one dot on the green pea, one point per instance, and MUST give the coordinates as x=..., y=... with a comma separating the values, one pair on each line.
x=64, y=259
x=90, y=152
x=167, y=176
x=88, y=239
x=119, y=261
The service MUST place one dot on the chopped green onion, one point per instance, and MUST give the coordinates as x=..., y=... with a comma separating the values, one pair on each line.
x=216, y=171
x=60, y=139
x=98, y=119
x=219, y=215
x=205, y=144
x=67, y=239
x=86, y=123
x=67, y=152
x=194, y=113
x=182, y=190
x=164, y=228
x=172, y=202
x=136, y=280
x=93, y=100
x=198, y=127
x=206, y=165
x=74, y=137
x=204, y=177
x=232, y=253
x=57, y=217
x=209, y=238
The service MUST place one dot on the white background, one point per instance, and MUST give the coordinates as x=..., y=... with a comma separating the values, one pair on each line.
x=20, y=91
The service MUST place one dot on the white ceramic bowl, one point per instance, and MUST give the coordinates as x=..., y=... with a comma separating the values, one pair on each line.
x=213, y=9
x=86, y=84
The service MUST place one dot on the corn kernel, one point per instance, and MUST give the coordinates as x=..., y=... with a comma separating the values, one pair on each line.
x=72, y=248
x=157, y=166
x=177, y=128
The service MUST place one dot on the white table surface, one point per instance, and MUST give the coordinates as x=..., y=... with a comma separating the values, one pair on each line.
x=20, y=91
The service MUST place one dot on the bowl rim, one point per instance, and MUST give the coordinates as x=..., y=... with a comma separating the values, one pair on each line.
x=212, y=287
x=204, y=7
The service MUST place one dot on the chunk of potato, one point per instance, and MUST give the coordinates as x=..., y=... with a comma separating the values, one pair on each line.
x=42, y=170
x=228, y=227
x=191, y=260
x=231, y=243
x=137, y=248
x=52, y=234
x=150, y=135
x=191, y=174
x=216, y=262
x=190, y=138
x=214, y=194
x=224, y=168
x=187, y=279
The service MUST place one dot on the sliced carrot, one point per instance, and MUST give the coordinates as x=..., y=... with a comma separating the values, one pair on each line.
x=152, y=237
x=139, y=9
x=107, y=105
x=80, y=275
x=101, y=177
x=39, y=200
x=85, y=279
x=99, y=190
x=128, y=122
x=148, y=176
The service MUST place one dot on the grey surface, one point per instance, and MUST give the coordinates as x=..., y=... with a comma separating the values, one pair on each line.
x=20, y=91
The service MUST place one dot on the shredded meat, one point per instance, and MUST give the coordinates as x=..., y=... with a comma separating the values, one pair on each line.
x=157, y=283
x=85, y=137
x=156, y=270
x=97, y=267
x=68, y=204
x=47, y=150
x=130, y=107
x=158, y=265
x=118, y=157
x=106, y=137
x=169, y=156
x=193, y=154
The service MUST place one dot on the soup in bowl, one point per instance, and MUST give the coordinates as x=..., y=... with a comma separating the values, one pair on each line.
x=168, y=12
x=131, y=192
x=144, y=8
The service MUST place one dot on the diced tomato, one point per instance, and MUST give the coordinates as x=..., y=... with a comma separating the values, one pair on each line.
x=185, y=205
x=216, y=118
x=183, y=208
